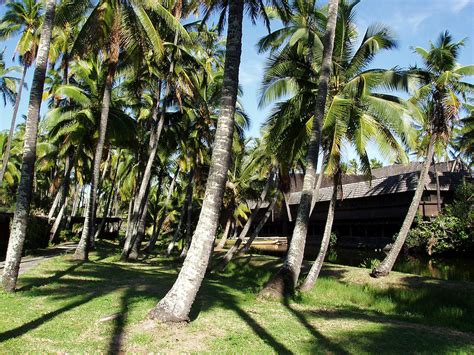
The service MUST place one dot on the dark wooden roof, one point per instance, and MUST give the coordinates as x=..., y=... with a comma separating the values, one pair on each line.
x=389, y=180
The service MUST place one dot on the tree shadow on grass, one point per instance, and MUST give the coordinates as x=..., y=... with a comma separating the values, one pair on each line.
x=329, y=345
x=86, y=282
x=52, y=279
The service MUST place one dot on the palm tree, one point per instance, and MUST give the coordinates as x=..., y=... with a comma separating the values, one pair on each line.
x=120, y=26
x=291, y=72
x=287, y=278
x=134, y=236
x=21, y=18
x=20, y=219
x=441, y=93
x=175, y=306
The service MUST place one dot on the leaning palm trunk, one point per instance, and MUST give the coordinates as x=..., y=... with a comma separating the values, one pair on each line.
x=82, y=249
x=156, y=233
x=23, y=200
x=236, y=250
x=58, y=221
x=6, y=154
x=225, y=235
x=139, y=203
x=313, y=274
x=142, y=197
x=287, y=277
x=175, y=306
x=63, y=189
x=259, y=226
x=243, y=234
x=387, y=264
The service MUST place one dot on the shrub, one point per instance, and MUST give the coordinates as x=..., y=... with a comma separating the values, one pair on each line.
x=450, y=232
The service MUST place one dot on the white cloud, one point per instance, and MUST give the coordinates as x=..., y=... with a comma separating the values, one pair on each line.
x=458, y=5
x=416, y=20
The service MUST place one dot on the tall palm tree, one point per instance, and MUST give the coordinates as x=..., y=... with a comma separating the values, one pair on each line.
x=352, y=91
x=124, y=21
x=20, y=218
x=286, y=279
x=442, y=93
x=175, y=306
x=21, y=18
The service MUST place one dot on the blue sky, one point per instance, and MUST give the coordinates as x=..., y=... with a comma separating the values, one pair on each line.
x=415, y=22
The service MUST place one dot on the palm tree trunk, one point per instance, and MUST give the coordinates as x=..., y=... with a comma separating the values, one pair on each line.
x=438, y=189
x=82, y=250
x=231, y=252
x=175, y=306
x=57, y=221
x=78, y=192
x=260, y=225
x=189, y=219
x=23, y=200
x=313, y=274
x=142, y=197
x=285, y=280
x=109, y=199
x=236, y=248
x=316, y=190
x=387, y=264
x=140, y=234
x=62, y=191
x=6, y=154
x=154, y=238
x=225, y=235
x=187, y=200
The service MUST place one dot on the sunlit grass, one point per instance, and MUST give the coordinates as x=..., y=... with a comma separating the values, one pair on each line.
x=100, y=306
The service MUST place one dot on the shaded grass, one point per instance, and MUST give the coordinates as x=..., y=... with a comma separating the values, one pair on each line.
x=100, y=306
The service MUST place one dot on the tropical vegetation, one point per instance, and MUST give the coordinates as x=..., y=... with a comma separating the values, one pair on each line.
x=135, y=132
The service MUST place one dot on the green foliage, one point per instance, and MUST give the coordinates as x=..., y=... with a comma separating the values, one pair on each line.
x=450, y=232
x=370, y=263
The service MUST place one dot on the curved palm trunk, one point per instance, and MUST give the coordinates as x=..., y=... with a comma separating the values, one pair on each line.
x=232, y=251
x=285, y=280
x=225, y=235
x=82, y=250
x=313, y=274
x=387, y=264
x=154, y=238
x=6, y=154
x=23, y=200
x=176, y=305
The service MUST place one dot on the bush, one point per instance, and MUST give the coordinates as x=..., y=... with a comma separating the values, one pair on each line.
x=450, y=232
x=444, y=234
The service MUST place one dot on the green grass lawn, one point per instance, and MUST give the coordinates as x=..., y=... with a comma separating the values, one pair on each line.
x=101, y=306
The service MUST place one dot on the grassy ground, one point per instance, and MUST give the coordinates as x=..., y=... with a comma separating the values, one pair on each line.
x=100, y=306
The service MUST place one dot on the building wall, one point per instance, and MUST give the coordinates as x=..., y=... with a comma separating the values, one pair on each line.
x=369, y=222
